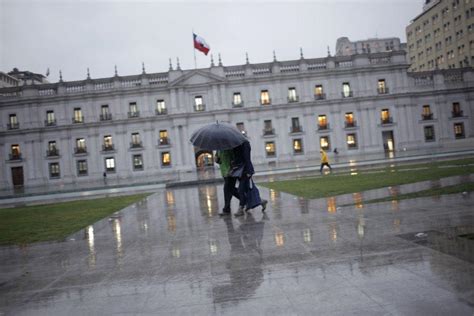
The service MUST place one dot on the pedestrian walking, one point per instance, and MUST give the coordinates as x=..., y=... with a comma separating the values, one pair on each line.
x=224, y=159
x=104, y=175
x=243, y=169
x=324, y=161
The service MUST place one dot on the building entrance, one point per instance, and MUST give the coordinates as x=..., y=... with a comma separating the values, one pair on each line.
x=204, y=159
x=388, y=141
x=17, y=176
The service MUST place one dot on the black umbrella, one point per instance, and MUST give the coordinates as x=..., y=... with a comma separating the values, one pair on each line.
x=217, y=136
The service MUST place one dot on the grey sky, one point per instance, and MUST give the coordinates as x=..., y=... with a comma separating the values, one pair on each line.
x=74, y=35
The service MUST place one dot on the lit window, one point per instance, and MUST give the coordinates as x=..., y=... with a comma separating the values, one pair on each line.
x=15, y=153
x=270, y=149
x=50, y=119
x=78, y=118
x=346, y=90
x=292, y=97
x=351, y=141
x=381, y=88
x=459, y=130
x=322, y=122
x=385, y=116
x=264, y=97
x=54, y=170
x=237, y=100
x=82, y=167
x=429, y=133
x=133, y=110
x=137, y=162
x=136, y=140
x=318, y=92
x=13, y=122
x=110, y=164
x=80, y=146
x=198, y=103
x=349, y=119
x=165, y=159
x=108, y=145
x=160, y=107
x=324, y=143
x=297, y=146
x=426, y=113
x=52, y=149
x=105, y=113
x=164, y=137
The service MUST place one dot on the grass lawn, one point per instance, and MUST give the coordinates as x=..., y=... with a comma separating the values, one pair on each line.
x=342, y=183
x=22, y=225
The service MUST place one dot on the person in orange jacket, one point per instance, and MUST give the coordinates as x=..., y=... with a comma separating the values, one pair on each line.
x=324, y=161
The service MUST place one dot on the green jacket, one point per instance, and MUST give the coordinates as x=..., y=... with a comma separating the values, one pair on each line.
x=224, y=158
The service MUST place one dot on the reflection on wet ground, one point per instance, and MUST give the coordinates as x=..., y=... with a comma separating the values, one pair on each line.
x=172, y=254
x=358, y=198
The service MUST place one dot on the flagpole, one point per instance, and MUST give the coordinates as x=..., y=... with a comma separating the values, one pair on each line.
x=194, y=50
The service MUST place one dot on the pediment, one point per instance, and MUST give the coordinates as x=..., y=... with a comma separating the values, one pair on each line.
x=196, y=77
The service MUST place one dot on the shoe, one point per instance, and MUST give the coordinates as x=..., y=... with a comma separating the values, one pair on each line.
x=224, y=213
x=264, y=205
x=240, y=212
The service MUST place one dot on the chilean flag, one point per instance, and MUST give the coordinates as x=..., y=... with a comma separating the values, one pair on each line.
x=200, y=44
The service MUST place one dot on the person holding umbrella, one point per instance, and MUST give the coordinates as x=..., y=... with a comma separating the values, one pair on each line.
x=224, y=159
x=223, y=136
x=244, y=170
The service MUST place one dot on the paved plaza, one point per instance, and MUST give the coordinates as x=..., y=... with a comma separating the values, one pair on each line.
x=171, y=254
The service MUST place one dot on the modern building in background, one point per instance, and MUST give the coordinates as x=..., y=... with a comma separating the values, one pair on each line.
x=344, y=47
x=442, y=36
x=134, y=127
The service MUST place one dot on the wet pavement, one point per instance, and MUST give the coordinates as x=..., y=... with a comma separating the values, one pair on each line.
x=172, y=254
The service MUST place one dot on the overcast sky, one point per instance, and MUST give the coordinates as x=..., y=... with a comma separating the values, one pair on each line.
x=75, y=35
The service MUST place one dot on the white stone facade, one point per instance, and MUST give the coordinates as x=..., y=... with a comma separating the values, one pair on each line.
x=378, y=82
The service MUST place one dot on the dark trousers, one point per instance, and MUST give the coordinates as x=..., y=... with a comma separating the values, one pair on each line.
x=229, y=191
x=324, y=164
x=244, y=185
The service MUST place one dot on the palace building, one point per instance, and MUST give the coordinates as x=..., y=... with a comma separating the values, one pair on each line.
x=133, y=127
